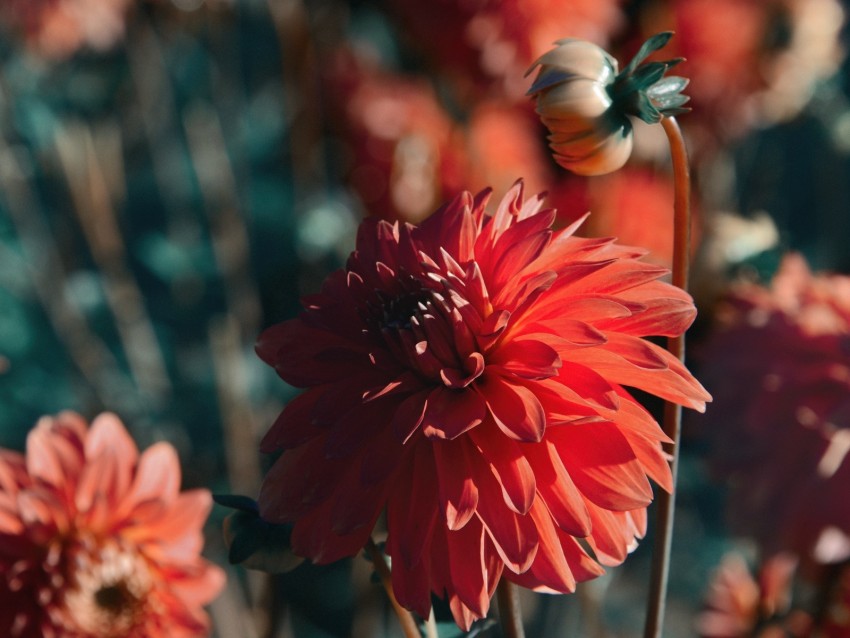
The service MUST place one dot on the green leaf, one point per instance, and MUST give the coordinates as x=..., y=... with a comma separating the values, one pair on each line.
x=253, y=542
x=237, y=502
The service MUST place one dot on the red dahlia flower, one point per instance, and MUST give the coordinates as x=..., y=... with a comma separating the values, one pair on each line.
x=97, y=541
x=466, y=376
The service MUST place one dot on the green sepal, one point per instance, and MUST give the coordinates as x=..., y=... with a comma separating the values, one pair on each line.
x=667, y=87
x=646, y=110
x=653, y=44
x=253, y=542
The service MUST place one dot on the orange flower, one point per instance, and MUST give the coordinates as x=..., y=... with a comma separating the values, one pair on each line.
x=467, y=377
x=97, y=541
x=58, y=28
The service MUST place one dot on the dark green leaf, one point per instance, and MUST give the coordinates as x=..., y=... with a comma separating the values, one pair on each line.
x=237, y=502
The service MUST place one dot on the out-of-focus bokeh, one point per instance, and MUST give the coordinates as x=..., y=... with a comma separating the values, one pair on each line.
x=175, y=174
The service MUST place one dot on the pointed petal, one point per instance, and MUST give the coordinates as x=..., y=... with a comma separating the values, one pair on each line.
x=515, y=408
x=457, y=491
x=510, y=467
x=450, y=413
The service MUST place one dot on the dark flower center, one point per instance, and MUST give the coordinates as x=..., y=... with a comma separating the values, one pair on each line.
x=114, y=598
x=397, y=312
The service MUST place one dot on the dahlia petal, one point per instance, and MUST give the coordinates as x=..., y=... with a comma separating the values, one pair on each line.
x=611, y=540
x=157, y=475
x=517, y=248
x=527, y=358
x=633, y=418
x=181, y=523
x=313, y=538
x=54, y=453
x=10, y=521
x=354, y=504
x=636, y=351
x=457, y=491
x=662, y=317
x=354, y=429
x=586, y=382
x=675, y=384
x=466, y=565
x=108, y=435
x=406, y=382
x=558, y=491
x=304, y=356
x=573, y=331
x=450, y=413
x=308, y=478
x=582, y=566
x=510, y=467
x=603, y=465
x=101, y=477
x=515, y=408
x=618, y=276
x=409, y=414
x=463, y=615
x=412, y=510
x=294, y=426
x=412, y=586
x=550, y=572
x=514, y=535
x=653, y=460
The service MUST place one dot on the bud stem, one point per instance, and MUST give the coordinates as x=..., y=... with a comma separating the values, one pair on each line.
x=510, y=614
x=405, y=618
x=672, y=420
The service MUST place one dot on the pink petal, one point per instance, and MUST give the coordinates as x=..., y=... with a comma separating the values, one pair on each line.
x=450, y=413
x=515, y=408
x=412, y=510
x=514, y=535
x=603, y=465
x=409, y=414
x=550, y=572
x=457, y=491
x=558, y=491
x=510, y=467
x=527, y=358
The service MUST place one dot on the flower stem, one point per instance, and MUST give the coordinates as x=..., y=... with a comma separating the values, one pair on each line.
x=510, y=613
x=405, y=618
x=672, y=419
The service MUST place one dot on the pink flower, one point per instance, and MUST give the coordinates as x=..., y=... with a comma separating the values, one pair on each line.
x=467, y=377
x=97, y=541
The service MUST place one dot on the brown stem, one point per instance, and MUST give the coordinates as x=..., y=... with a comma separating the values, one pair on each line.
x=510, y=614
x=405, y=618
x=672, y=419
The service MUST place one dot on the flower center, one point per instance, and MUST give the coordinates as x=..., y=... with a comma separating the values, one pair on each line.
x=426, y=332
x=109, y=590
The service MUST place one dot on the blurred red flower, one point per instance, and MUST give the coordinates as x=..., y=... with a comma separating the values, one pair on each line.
x=779, y=367
x=97, y=541
x=58, y=28
x=750, y=62
x=466, y=376
x=491, y=43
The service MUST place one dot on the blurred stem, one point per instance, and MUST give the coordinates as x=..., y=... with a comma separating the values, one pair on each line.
x=510, y=614
x=672, y=420
x=405, y=618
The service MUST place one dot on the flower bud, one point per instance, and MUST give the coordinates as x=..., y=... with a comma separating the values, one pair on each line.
x=585, y=103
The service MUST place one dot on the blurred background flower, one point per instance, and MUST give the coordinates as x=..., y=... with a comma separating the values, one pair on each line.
x=175, y=174
x=97, y=540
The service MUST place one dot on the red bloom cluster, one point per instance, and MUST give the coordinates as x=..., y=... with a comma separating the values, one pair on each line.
x=97, y=541
x=780, y=371
x=467, y=376
x=58, y=28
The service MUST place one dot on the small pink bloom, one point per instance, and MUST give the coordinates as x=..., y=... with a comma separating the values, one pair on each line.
x=97, y=541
